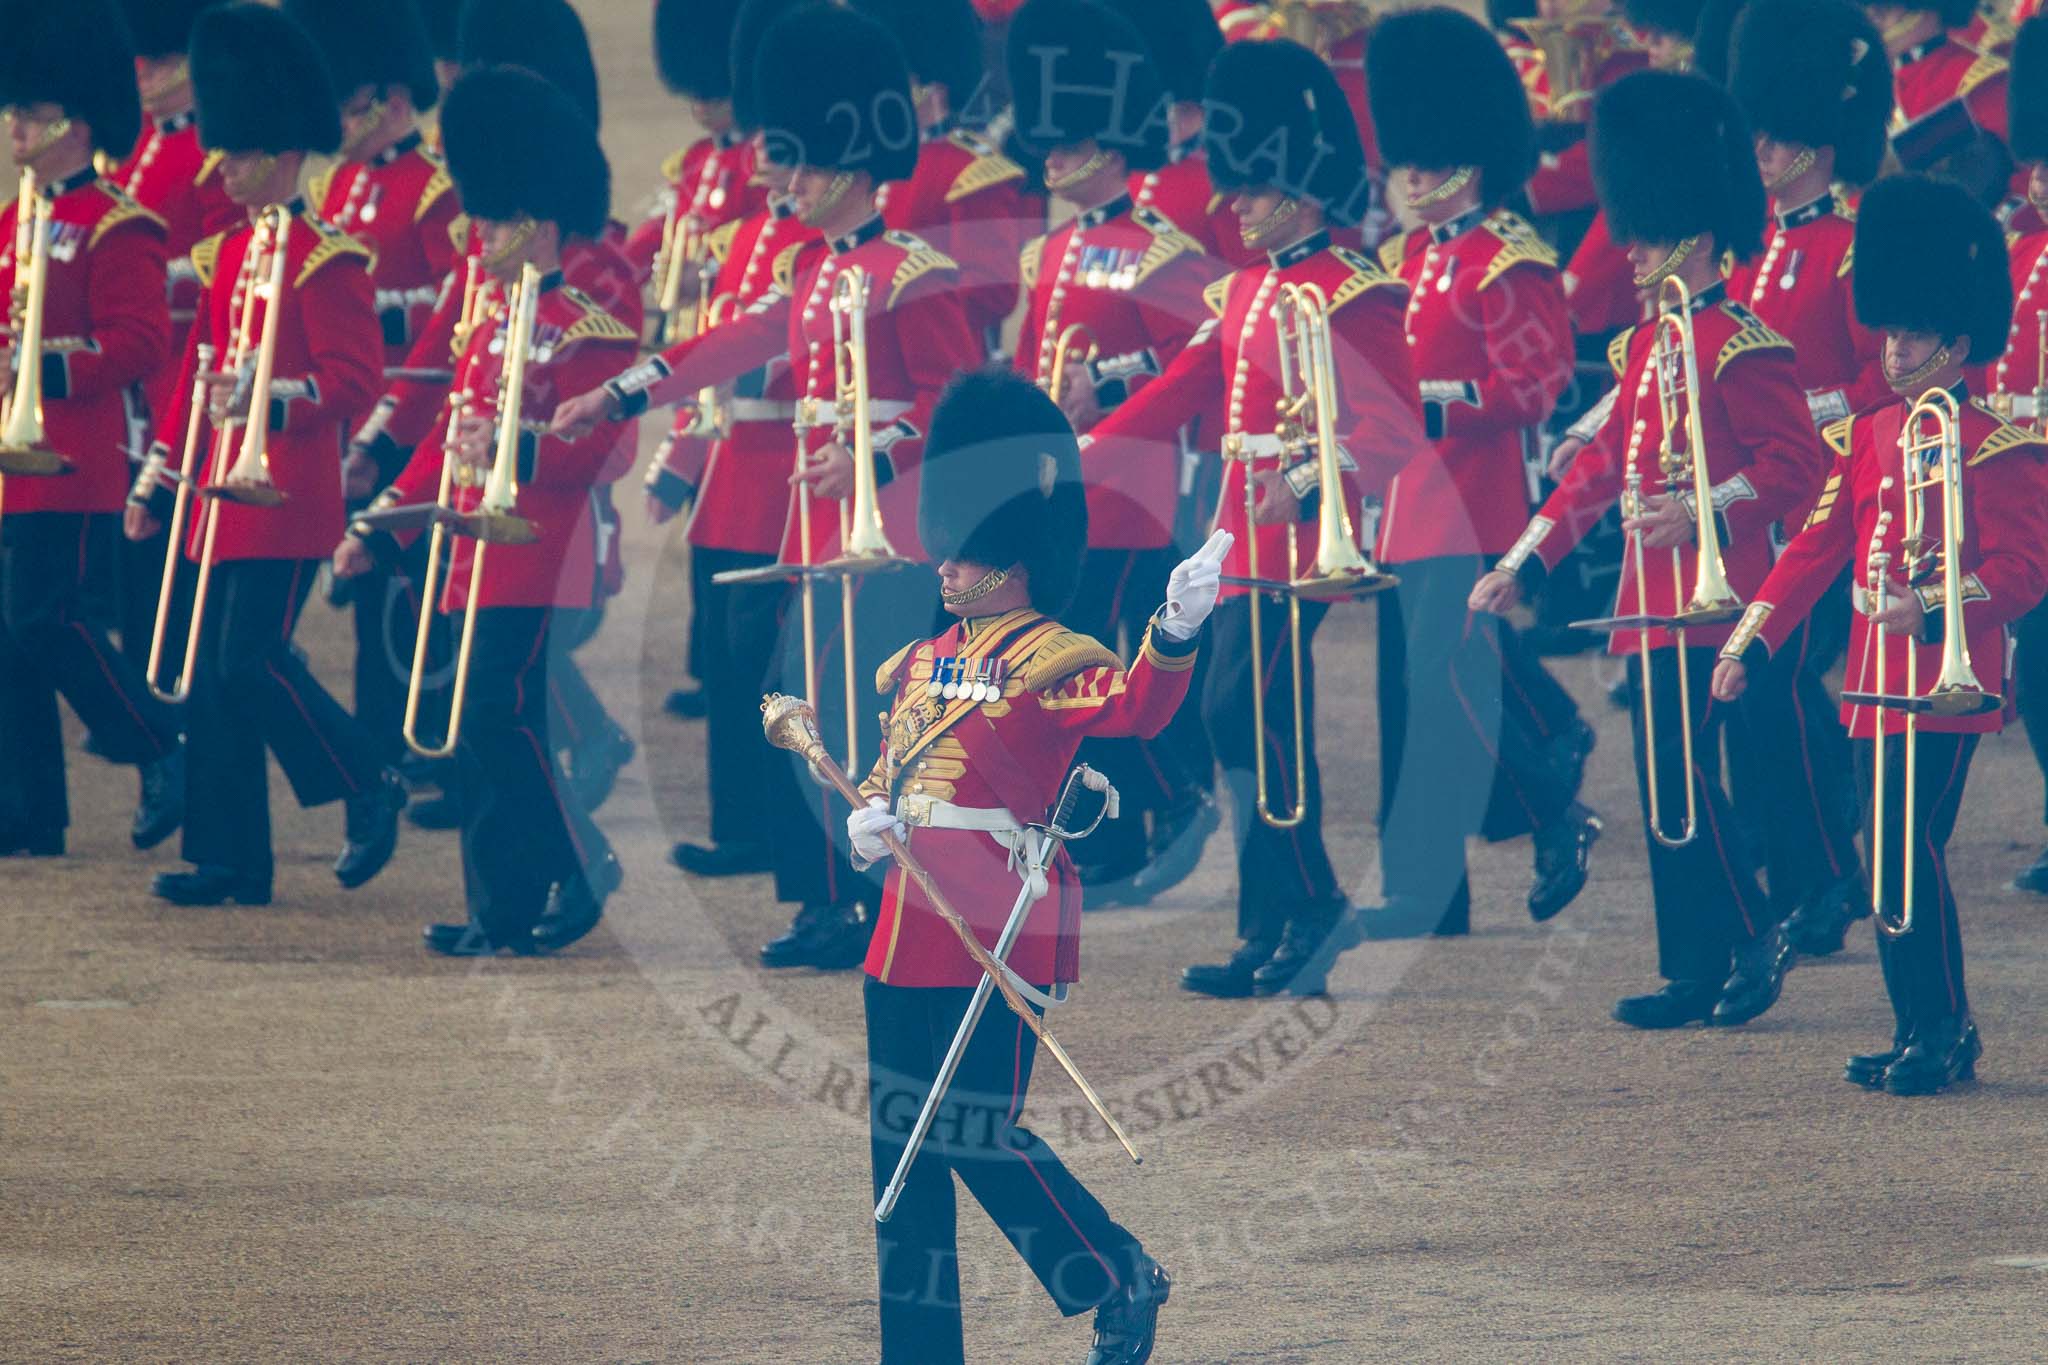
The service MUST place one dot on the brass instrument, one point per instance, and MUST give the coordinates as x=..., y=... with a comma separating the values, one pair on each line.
x=684, y=252
x=264, y=268
x=1681, y=458
x=1931, y=461
x=1076, y=342
x=1319, y=25
x=712, y=420
x=24, y=449
x=1573, y=44
x=1307, y=413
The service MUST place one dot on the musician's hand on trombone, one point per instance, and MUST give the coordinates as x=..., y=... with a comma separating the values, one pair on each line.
x=1497, y=592
x=227, y=397
x=579, y=416
x=352, y=558
x=475, y=444
x=1731, y=679
x=1277, y=505
x=1077, y=396
x=136, y=522
x=1663, y=522
x=865, y=826
x=1902, y=614
x=829, y=471
x=358, y=474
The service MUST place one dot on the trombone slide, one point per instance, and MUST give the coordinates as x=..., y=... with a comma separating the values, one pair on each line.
x=24, y=450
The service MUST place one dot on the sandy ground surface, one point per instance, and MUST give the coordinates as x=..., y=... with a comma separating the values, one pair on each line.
x=289, y=1134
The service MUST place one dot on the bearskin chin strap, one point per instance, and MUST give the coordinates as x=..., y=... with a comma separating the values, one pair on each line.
x=522, y=233
x=1453, y=184
x=1078, y=174
x=834, y=192
x=53, y=133
x=1801, y=164
x=988, y=583
x=1909, y=385
x=1263, y=231
x=1667, y=267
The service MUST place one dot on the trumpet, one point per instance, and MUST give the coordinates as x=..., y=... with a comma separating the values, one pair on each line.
x=1076, y=342
x=262, y=281
x=683, y=253
x=1931, y=461
x=24, y=445
x=1307, y=412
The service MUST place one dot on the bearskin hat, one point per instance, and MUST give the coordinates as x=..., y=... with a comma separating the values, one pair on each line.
x=1954, y=13
x=755, y=18
x=1184, y=38
x=849, y=63
x=260, y=84
x=546, y=37
x=1445, y=94
x=1080, y=72
x=1275, y=116
x=518, y=147
x=2027, y=92
x=1814, y=72
x=1713, y=37
x=693, y=46
x=1681, y=18
x=76, y=56
x=377, y=43
x=1672, y=158
x=1001, y=484
x=162, y=28
x=443, y=19
x=1929, y=258
x=1505, y=14
x=941, y=39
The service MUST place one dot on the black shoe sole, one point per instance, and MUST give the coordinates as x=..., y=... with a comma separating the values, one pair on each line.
x=230, y=897
x=1218, y=991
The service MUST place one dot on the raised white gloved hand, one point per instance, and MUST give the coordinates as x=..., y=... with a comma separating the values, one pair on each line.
x=1191, y=591
x=865, y=827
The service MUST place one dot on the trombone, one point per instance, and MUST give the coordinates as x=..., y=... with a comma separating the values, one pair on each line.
x=1931, y=461
x=247, y=480
x=24, y=445
x=492, y=522
x=1307, y=412
x=1681, y=457
x=683, y=252
x=1076, y=343
x=712, y=420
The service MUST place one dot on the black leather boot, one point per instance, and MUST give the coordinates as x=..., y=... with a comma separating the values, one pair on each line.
x=1301, y=965
x=2035, y=877
x=162, y=807
x=1230, y=980
x=1678, y=1004
x=843, y=941
x=1564, y=852
x=793, y=946
x=1127, y=1322
x=1757, y=981
x=1942, y=1052
x=1820, y=924
x=372, y=825
x=594, y=768
x=211, y=885
x=576, y=905
x=721, y=860
x=1867, y=1068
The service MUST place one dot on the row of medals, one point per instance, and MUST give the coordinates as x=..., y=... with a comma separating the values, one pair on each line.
x=951, y=680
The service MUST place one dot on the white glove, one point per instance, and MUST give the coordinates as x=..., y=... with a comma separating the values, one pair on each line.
x=1191, y=591
x=866, y=826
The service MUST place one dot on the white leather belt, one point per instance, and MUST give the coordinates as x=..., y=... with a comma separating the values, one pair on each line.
x=811, y=413
x=759, y=410
x=1253, y=445
x=929, y=812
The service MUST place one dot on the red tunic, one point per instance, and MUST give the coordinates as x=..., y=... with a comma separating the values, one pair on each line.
x=1942, y=69
x=1237, y=351
x=1764, y=461
x=916, y=334
x=576, y=345
x=2019, y=372
x=1492, y=349
x=1564, y=178
x=326, y=374
x=1013, y=753
x=1600, y=284
x=975, y=205
x=1135, y=282
x=106, y=326
x=2004, y=553
x=711, y=182
x=1181, y=190
x=1799, y=286
x=401, y=204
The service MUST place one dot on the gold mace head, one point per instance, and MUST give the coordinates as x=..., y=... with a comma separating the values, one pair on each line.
x=790, y=723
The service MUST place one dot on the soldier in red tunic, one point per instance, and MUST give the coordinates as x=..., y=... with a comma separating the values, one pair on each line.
x=1281, y=141
x=1115, y=293
x=1184, y=37
x=1930, y=274
x=69, y=91
x=265, y=105
x=1812, y=78
x=1678, y=180
x=1949, y=98
x=967, y=779
x=916, y=329
x=1491, y=345
x=531, y=172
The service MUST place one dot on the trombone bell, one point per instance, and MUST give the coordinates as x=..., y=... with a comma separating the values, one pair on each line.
x=24, y=449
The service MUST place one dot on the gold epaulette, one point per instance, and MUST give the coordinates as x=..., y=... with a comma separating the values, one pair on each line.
x=783, y=272
x=1843, y=208
x=885, y=676
x=1060, y=656
x=1617, y=351
x=438, y=184
x=1168, y=243
x=2003, y=438
x=1519, y=245
x=125, y=210
x=595, y=324
x=1836, y=434
x=1366, y=276
x=989, y=167
x=1027, y=261
x=318, y=185
x=1983, y=69
x=1393, y=251
x=1753, y=336
x=334, y=244
x=458, y=233
x=718, y=241
x=1217, y=292
x=205, y=257
x=672, y=165
x=921, y=258
x=209, y=166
